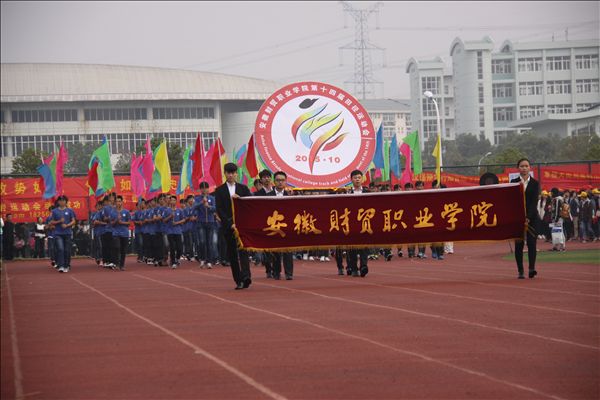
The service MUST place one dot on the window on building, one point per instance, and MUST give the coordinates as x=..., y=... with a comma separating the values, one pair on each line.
x=531, y=64
x=587, y=85
x=559, y=108
x=558, y=87
x=429, y=128
x=446, y=90
x=431, y=83
x=499, y=137
x=585, y=106
x=62, y=115
x=481, y=117
x=586, y=61
x=585, y=128
x=479, y=65
x=559, y=63
x=501, y=67
x=530, y=88
x=428, y=108
x=447, y=111
x=480, y=91
x=112, y=114
x=530, y=111
x=183, y=113
x=504, y=114
x=501, y=90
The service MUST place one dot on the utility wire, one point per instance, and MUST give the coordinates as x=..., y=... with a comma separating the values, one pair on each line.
x=274, y=46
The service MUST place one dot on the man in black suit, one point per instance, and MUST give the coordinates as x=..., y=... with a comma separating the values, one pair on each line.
x=355, y=254
x=532, y=191
x=240, y=264
x=280, y=178
x=267, y=189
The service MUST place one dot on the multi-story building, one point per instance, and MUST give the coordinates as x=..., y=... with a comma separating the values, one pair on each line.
x=433, y=76
x=521, y=87
x=394, y=114
x=43, y=104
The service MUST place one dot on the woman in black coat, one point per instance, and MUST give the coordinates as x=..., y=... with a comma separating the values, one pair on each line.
x=532, y=192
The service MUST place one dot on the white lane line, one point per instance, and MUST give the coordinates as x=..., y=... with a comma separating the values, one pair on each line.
x=353, y=336
x=490, y=284
x=443, y=294
x=197, y=350
x=18, y=381
x=428, y=315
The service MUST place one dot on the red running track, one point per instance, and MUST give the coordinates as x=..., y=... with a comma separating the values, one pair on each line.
x=461, y=328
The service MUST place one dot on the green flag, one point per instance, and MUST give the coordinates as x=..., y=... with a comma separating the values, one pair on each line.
x=412, y=140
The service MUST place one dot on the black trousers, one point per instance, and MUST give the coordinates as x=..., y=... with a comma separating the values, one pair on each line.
x=268, y=262
x=240, y=263
x=109, y=251
x=288, y=264
x=123, y=244
x=339, y=258
x=175, y=247
x=531, y=252
x=353, y=256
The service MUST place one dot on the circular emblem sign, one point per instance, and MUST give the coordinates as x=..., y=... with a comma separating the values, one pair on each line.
x=316, y=133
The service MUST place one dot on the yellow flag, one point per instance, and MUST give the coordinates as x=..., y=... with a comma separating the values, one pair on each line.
x=161, y=163
x=437, y=153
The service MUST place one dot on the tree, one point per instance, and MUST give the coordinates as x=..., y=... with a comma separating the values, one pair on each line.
x=123, y=164
x=28, y=162
x=79, y=157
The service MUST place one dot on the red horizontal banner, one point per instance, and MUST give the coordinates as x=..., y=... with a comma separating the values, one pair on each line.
x=495, y=212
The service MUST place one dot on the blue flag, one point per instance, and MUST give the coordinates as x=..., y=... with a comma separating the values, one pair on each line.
x=378, y=159
x=394, y=158
x=49, y=183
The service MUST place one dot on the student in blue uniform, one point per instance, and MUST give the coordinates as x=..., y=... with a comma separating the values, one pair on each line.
x=63, y=219
x=121, y=233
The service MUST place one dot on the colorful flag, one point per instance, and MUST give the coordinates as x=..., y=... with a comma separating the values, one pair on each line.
x=386, y=160
x=412, y=140
x=251, y=165
x=378, y=157
x=138, y=186
x=103, y=171
x=197, y=163
x=437, y=153
x=161, y=178
x=48, y=179
x=61, y=160
x=394, y=158
x=184, y=177
x=216, y=171
x=147, y=168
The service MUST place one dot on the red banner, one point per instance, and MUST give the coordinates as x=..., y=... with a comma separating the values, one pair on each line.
x=495, y=212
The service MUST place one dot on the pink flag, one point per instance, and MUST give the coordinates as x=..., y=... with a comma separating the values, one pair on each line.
x=138, y=186
x=407, y=175
x=147, y=166
x=61, y=160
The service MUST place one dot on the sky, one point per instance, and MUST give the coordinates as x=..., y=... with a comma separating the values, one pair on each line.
x=279, y=41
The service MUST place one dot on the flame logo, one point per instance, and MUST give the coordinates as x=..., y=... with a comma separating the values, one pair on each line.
x=305, y=126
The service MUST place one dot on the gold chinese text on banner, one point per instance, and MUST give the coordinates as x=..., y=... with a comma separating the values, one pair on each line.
x=494, y=212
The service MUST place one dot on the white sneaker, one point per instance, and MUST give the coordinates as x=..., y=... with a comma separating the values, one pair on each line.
x=202, y=263
x=327, y=259
x=61, y=269
x=322, y=258
x=173, y=266
x=209, y=265
x=305, y=257
x=311, y=258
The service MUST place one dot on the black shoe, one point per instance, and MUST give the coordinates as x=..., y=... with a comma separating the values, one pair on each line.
x=247, y=283
x=388, y=257
x=532, y=274
x=355, y=273
x=239, y=286
x=364, y=271
x=340, y=271
x=348, y=272
x=276, y=277
x=289, y=277
x=521, y=276
x=269, y=275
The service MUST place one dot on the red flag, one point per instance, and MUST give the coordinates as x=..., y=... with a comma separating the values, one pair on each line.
x=251, y=166
x=198, y=163
x=215, y=166
x=92, y=177
x=367, y=180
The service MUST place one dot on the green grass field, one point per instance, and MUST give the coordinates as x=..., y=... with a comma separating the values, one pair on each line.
x=570, y=256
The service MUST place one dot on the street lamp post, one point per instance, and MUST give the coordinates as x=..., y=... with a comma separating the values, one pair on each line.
x=489, y=153
x=429, y=95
